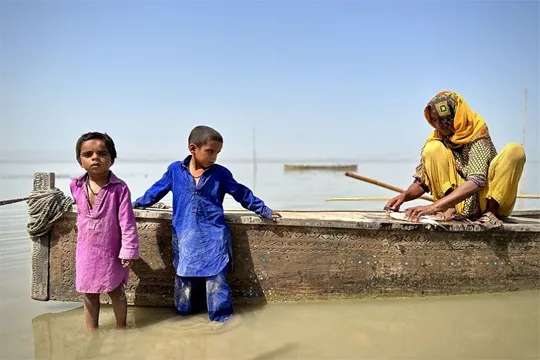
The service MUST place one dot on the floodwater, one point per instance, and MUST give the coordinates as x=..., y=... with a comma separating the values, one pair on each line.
x=501, y=326
x=486, y=326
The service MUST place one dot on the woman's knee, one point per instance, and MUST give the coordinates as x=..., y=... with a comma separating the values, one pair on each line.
x=433, y=149
x=514, y=153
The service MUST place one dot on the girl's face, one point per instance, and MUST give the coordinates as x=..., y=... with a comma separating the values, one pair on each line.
x=95, y=158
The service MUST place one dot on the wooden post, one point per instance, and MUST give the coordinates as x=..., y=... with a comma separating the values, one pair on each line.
x=254, y=162
x=524, y=130
x=41, y=247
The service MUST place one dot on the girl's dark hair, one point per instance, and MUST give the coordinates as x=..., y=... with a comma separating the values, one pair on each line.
x=201, y=135
x=107, y=140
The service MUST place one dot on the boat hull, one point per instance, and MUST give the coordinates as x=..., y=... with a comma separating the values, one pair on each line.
x=317, y=255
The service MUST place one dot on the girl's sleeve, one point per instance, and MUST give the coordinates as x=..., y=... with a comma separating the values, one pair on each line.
x=73, y=190
x=128, y=227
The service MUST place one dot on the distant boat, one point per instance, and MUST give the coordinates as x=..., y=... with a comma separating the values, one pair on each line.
x=337, y=167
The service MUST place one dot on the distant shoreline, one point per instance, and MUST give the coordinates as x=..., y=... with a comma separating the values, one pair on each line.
x=225, y=160
x=378, y=160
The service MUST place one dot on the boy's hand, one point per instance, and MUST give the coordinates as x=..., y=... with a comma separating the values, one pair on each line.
x=276, y=214
x=126, y=262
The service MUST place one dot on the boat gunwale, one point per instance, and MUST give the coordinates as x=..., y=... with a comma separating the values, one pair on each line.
x=379, y=221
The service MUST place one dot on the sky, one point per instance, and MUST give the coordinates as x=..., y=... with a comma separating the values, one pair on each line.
x=315, y=79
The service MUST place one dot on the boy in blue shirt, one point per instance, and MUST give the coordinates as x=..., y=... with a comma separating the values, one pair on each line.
x=201, y=241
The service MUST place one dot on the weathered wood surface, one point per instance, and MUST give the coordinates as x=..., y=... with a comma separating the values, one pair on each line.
x=40, y=247
x=317, y=255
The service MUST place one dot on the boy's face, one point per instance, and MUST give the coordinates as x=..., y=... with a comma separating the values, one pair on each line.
x=95, y=157
x=206, y=155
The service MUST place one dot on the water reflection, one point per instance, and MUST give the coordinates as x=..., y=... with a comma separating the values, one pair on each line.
x=503, y=326
x=151, y=333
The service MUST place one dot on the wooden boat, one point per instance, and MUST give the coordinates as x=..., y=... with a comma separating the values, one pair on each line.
x=316, y=255
x=305, y=167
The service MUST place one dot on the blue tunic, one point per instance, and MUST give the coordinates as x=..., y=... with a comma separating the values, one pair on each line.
x=201, y=242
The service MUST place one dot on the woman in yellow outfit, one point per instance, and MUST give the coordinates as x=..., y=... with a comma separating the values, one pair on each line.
x=461, y=168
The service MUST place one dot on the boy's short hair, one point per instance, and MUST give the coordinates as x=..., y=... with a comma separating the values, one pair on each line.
x=201, y=135
x=109, y=144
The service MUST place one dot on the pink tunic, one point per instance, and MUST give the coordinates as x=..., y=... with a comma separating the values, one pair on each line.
x=106, y=234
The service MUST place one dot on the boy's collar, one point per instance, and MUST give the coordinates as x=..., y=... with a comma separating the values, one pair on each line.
x=185, y=163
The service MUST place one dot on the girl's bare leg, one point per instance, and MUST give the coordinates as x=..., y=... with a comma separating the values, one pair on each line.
x=119, y=303
x=91, y=311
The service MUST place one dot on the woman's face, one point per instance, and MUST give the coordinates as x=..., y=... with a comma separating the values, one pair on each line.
x=439, y=125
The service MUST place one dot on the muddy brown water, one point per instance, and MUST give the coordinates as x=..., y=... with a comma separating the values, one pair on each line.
x=483, y=326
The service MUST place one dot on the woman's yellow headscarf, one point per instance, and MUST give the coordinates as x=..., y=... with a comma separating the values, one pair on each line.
x=453, y=110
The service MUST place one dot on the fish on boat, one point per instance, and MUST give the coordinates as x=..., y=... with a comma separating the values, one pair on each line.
x=426, y=219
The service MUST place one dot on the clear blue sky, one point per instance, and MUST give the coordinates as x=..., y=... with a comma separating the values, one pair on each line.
x=317, y=79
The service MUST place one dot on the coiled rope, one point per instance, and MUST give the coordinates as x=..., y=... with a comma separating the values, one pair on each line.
x=44, y=208
x=47, y=206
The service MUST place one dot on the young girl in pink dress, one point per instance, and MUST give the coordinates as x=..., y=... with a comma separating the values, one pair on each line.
x=107, y=240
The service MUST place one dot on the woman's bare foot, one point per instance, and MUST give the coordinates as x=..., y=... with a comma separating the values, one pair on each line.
x=489, y=220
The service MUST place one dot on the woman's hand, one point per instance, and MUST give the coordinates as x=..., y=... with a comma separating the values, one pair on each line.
x=449, y=214
x=412, y=193
x=415, y=213
x=395, y=202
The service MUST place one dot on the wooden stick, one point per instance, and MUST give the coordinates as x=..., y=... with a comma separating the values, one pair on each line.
x=383, y=185
x=365, y=198
x=528, y=196
x=390, y=187
x=384, y=198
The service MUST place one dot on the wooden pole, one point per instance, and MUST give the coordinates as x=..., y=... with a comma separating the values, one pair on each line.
x=364, y=198
x=527, y=196
x=522, y=180
x=394, y=188
x=387, y=198
x=381, y=184
x=254, y=160
x=41, y=247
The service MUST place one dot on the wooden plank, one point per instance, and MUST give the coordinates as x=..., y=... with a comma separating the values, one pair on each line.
x=41, y=247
